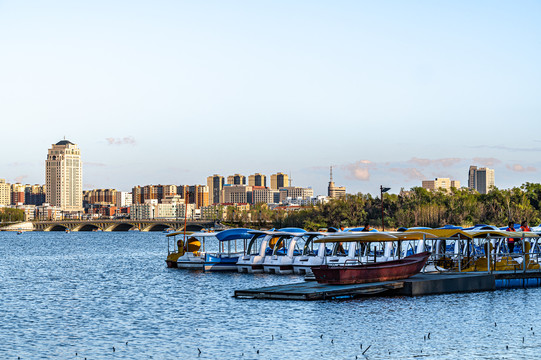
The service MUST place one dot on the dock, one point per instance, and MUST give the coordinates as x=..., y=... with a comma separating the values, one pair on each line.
x=418, y=285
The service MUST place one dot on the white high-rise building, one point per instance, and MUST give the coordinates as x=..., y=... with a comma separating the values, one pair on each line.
x=64, y=176
x=481, y=179
x=5, y=192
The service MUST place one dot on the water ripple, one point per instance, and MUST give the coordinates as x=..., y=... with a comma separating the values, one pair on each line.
x=86, y=293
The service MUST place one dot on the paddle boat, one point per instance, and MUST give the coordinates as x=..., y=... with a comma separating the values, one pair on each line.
x=483, y=250
x=252, y=260
x=260, y=245
x=190, y=249
x=361, y=268
x=311, y=254
x=284, y=252
x=225, y=259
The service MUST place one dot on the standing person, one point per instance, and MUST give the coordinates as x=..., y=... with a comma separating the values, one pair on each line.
x=363, y=245
x=511, y=241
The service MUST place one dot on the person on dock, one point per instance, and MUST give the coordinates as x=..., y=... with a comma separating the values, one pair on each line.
x=511, y=241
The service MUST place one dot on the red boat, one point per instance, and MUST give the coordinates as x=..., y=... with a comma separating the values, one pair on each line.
x=374, y=272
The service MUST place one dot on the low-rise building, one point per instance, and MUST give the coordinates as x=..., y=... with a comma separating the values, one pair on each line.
x=46, y=212
x=264, y=195
x=444, y=184
x=295, y=192
x=237, y=194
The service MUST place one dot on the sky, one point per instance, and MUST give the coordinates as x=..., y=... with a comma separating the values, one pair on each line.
x=169, y=92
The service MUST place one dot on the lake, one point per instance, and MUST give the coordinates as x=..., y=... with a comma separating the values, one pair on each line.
x=86, y=293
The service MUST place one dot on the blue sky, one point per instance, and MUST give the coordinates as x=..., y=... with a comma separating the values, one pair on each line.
x=170, y=92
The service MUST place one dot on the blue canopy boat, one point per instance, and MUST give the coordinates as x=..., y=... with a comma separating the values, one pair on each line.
x=227, y=256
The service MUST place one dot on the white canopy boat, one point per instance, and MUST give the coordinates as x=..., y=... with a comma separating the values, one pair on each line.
x=260, y=245
x=311, y=254
x=225, y=259
x=284, y=252
x=252, y=260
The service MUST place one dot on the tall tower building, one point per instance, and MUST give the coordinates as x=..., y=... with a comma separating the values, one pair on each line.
x=485, y=180
x=481, y=179
x=279, y=180
x=215, y=184
x=471, y=177
x=64, y=176
x=257, y=180
x=334, y=191
x=5, y=192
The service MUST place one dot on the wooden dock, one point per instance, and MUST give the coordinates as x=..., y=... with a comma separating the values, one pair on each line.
x=420, y=284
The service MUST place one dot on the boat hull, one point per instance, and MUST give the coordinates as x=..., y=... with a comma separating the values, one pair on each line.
x=381, y=271
x=221, y=263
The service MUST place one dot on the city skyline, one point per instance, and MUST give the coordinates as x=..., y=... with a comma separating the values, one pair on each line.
x=176, y=92
x=424, y=162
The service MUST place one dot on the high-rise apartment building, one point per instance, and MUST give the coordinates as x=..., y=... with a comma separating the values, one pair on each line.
x=236, y=179
x=197, y=194
x=279, y=180
x=152, y=192
x=123, y=199
x=484, y=180
x=257, y=180
x=481, y=179
x=100, y=196
x=5, y=193
x=215, y=184
x=17, y=194
x=471, y=177
x=64, y=176
x=202, y=196
x=34, y=194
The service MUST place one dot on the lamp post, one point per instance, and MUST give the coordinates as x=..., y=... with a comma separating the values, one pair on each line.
x=383, y=190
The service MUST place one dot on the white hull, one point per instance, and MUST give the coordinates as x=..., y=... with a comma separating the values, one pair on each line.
x=250, y=264
x=189, y=261
x=280, y=270
x=190, y=265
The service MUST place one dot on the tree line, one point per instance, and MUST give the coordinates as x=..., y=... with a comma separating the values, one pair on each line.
x=416, y=207
x=11, y=215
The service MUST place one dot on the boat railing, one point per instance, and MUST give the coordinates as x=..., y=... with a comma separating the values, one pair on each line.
x=488, y=262
x=352, y=262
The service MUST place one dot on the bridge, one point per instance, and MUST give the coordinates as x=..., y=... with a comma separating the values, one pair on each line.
x=122, y=225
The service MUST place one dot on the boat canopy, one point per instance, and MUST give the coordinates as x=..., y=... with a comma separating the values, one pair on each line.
x=451, y=227
x=234, y=234
x=368, y=236
x=292, y=230
x=179, y=233
x=359, y=229
x=316, y=233
x=449, y=233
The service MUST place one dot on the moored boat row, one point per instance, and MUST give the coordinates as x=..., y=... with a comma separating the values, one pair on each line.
x=378, y=255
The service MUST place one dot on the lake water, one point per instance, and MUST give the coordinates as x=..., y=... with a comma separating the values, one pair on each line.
x=85, y=293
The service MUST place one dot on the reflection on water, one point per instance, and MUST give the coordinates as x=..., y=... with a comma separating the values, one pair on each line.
x=86, y=293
